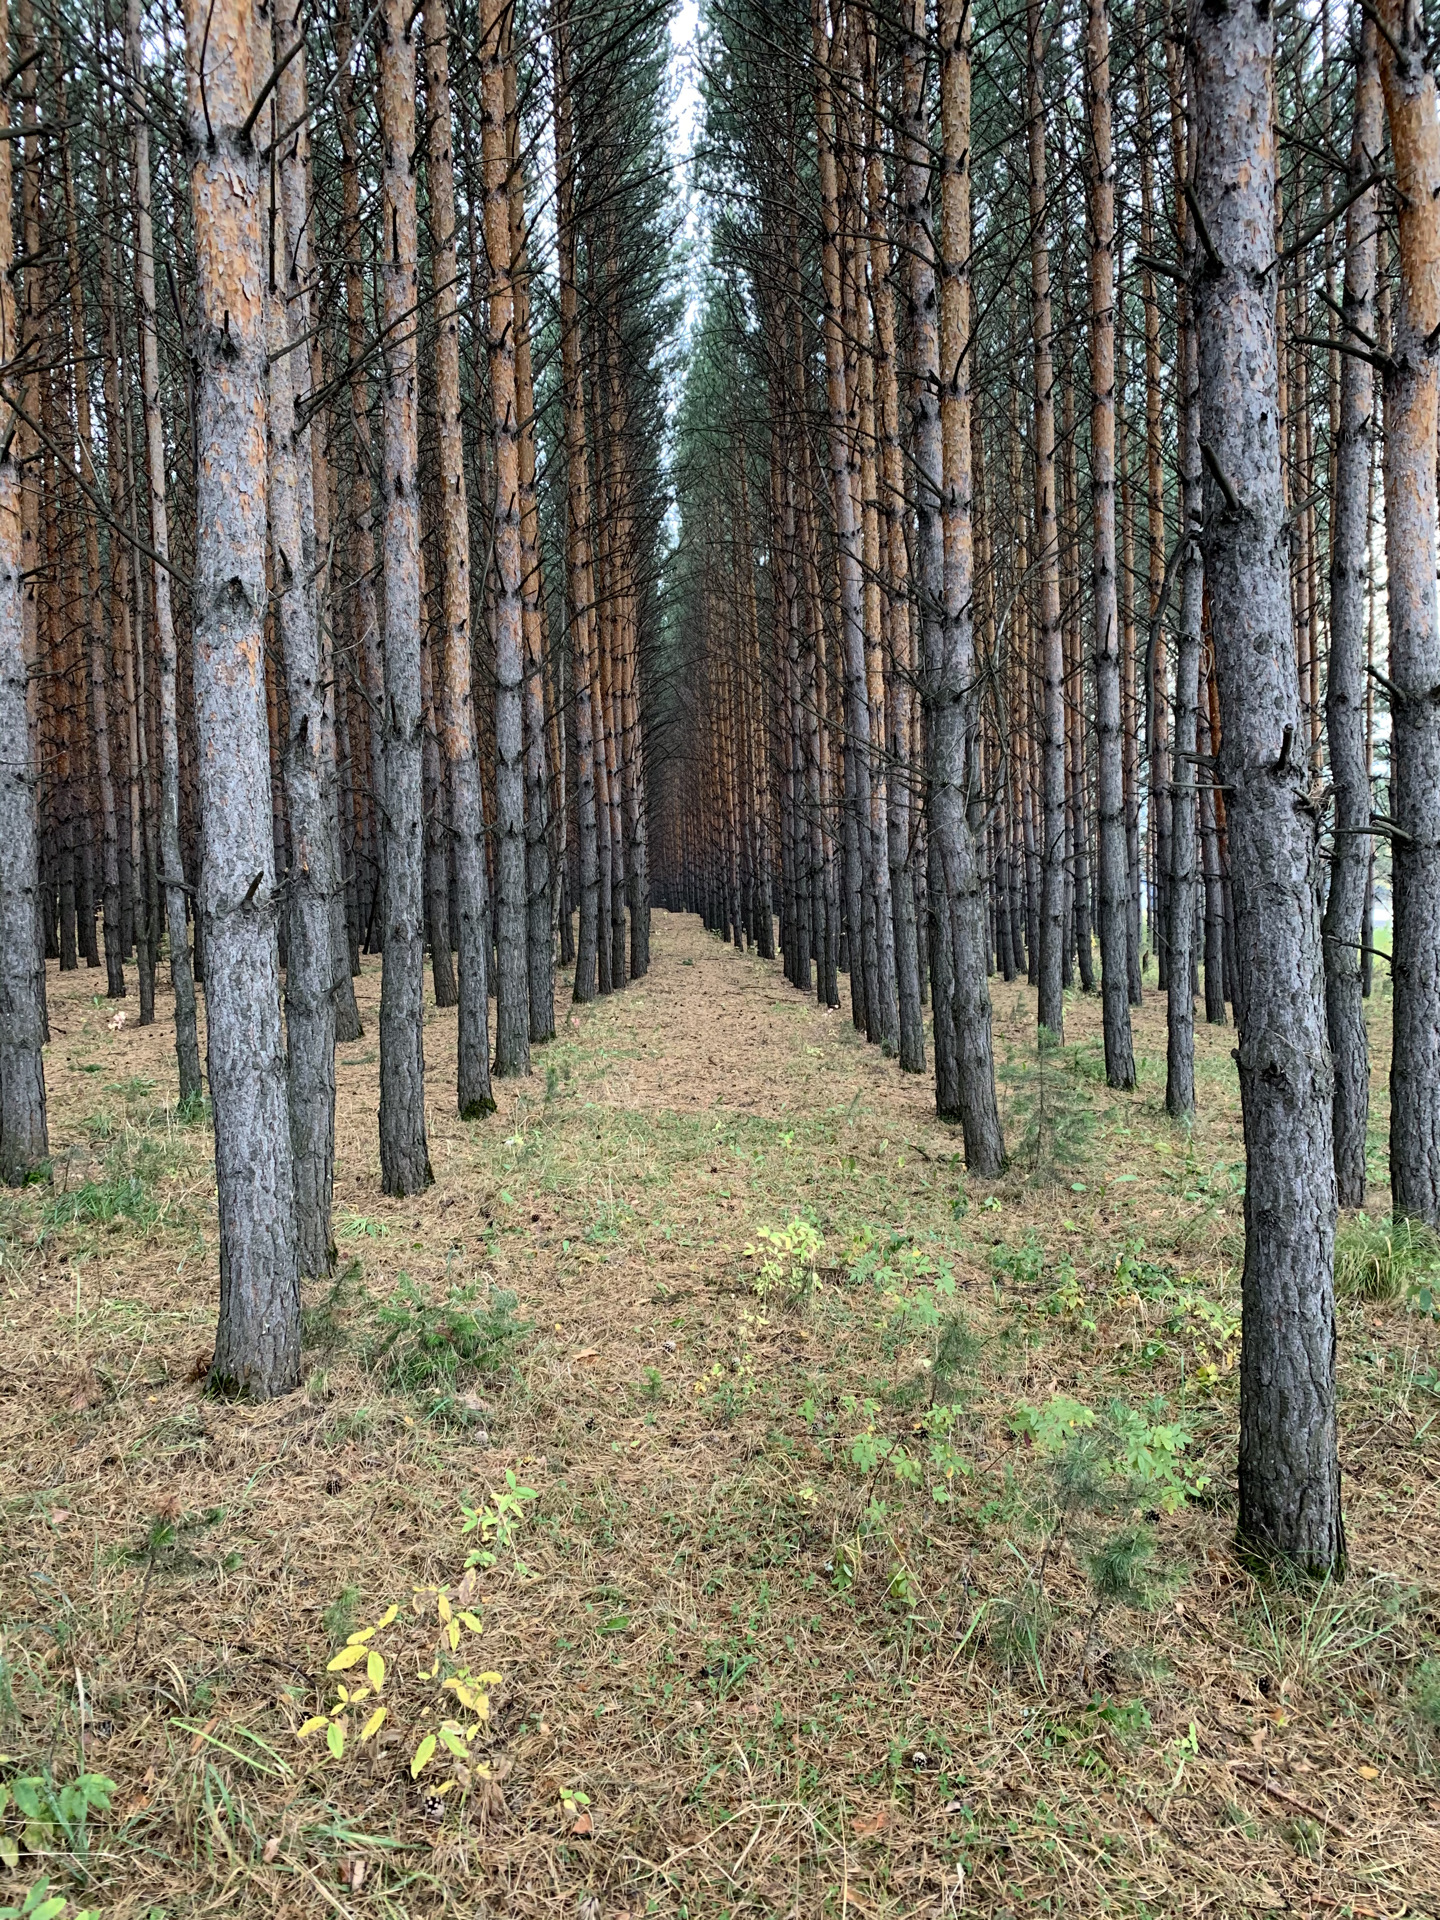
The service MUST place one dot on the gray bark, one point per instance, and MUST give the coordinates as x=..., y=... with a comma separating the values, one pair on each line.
x=1345, y=690
x=257, y=1340
x=24, y=1140
x=312, y=881
x=1289, y=1462
x=1112, y=849
x=1412, y=382
x=404, y=1155
x=187, y=1048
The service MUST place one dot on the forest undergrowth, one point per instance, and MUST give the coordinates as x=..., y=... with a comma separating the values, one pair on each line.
x=732, y=1508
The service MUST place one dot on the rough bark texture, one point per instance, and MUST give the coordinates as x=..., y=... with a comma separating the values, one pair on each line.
x=928, y=455
x=24, y=1141
x=457, y=716
x=293, y=165
x=1346, y=688
x=95, y=636
x=955, y=780
x=539, y=932
x=404, y=1156
x=1180, y=894
x=1289, y=1464
x=1051, y=1005
x=844, y=487
x=311, y=881
x=580, y=587
x=257, y=1341
x=512, y=985
x=1412, y=386
x=1114, y=859
x=896, y=619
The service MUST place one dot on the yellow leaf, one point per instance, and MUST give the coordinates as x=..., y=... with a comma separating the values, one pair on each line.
x=375, y=1670
x=444, y=1787
x=390, y=1613
x=1368, y=1773
x=452, y=1633
x=424, y=1754
x=490, y=1679
x=335, y=1738
x=360, y=1693
x=312, y=1726
x=444, y=1606
x=471, y=1622
x=350, y=1656
x=359, y=1639
x=373, y=1724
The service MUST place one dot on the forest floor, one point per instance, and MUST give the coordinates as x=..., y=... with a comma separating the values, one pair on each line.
x=885, y=1570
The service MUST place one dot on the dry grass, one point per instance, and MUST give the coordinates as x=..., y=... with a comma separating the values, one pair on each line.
x=747, y=1665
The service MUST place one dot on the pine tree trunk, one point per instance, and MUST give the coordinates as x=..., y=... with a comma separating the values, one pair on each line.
x=954, y=778
x=95, y=647
x=580, y=584
x=292, y=109
x=512, y=999
x=311, y=882
x=1053, y=930
x=1412, y=385
x=1289, y=1465
x=1114, y=862
x=257, y=1341
x=467, y=822
x=24, y=1139
x=1346, y=688
x=404, y=1154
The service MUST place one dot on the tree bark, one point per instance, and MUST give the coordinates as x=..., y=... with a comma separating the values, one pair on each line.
x=404, y=1155
x=1289, y=1463
x=311, y=881
x=955, y=778
x=257, y=1341
x=1114, y=863
x=467, y=822
x=1347, y=686
x=24, y=1139
x=512, y=997
x=1051, y=1005
x=1412, y=384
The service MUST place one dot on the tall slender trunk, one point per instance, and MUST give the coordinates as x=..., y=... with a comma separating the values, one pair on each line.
x=257, y=1341
x=1114, y=861
x=955, y=778
x=1347, y=686
x=404, y=1155
x=1412, y=385
x=1289, y=1463
x=539, y=933
x=1051, y=1003
x=457, y=714
x=843, y=489
x=125, y=620
x=311, y=881
x=24, y=1138
x=1181, y=884
x=512, y=998
x=292, y=108
x=580, y=582
x=95, y=600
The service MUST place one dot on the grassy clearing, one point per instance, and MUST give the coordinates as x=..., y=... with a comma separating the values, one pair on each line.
x=777, y=1521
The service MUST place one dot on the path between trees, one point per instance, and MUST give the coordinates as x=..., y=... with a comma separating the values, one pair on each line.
x=775, y=1666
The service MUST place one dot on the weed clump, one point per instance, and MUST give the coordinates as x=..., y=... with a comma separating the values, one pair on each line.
x=436, y=1350
x=1381, y=1260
